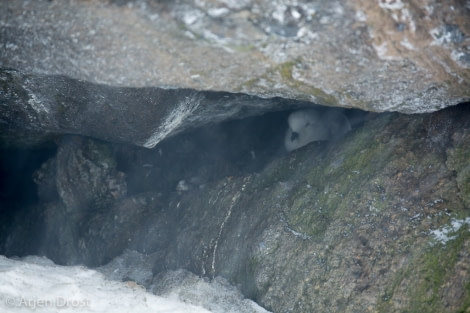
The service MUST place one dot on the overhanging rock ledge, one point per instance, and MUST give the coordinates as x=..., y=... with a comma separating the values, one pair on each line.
x=373, y=55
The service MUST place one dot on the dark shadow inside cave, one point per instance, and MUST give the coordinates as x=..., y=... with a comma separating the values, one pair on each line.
x=18, y=192
x=205, y=154
x=186, y=161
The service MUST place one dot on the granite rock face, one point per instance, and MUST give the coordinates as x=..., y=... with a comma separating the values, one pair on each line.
x=406, y=56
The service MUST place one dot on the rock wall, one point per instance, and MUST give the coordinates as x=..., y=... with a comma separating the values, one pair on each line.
x=36, y=108
x=377, y=221
x=407, y=56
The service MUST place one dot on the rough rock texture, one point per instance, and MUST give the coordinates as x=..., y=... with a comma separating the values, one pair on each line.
x=35, y=108
x=377, y=221
x=380, y=55
x=95, y=197
x=77, y=187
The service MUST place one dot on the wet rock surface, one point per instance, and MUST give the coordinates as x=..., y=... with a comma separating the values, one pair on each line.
x=375, y=55
x=377, y=219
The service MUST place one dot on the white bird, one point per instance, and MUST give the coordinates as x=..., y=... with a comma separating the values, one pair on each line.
x=310, y=125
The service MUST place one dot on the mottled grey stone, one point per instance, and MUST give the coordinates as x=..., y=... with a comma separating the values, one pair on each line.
x=373, y=55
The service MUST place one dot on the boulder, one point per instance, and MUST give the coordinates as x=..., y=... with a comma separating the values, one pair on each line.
x=382, y=55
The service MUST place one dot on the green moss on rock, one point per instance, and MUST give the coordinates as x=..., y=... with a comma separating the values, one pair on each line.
x=429, y=282
x=363, y=207
x=333, y=182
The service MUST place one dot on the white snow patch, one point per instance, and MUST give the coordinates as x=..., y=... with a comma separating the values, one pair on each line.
x=447, y=232
x=37, y=285
x=216, y=295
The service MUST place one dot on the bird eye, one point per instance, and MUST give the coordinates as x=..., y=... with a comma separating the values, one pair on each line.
x=294, y=136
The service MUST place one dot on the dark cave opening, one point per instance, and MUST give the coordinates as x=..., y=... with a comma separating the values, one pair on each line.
x=205, y=154
x=191, y=159
x=18, y=192
x=197, y=156
x=17, y=166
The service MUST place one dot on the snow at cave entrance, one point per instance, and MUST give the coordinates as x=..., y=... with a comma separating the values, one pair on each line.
x=36, y=284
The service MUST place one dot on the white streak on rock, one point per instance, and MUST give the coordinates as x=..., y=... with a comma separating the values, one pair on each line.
x=175, y=118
